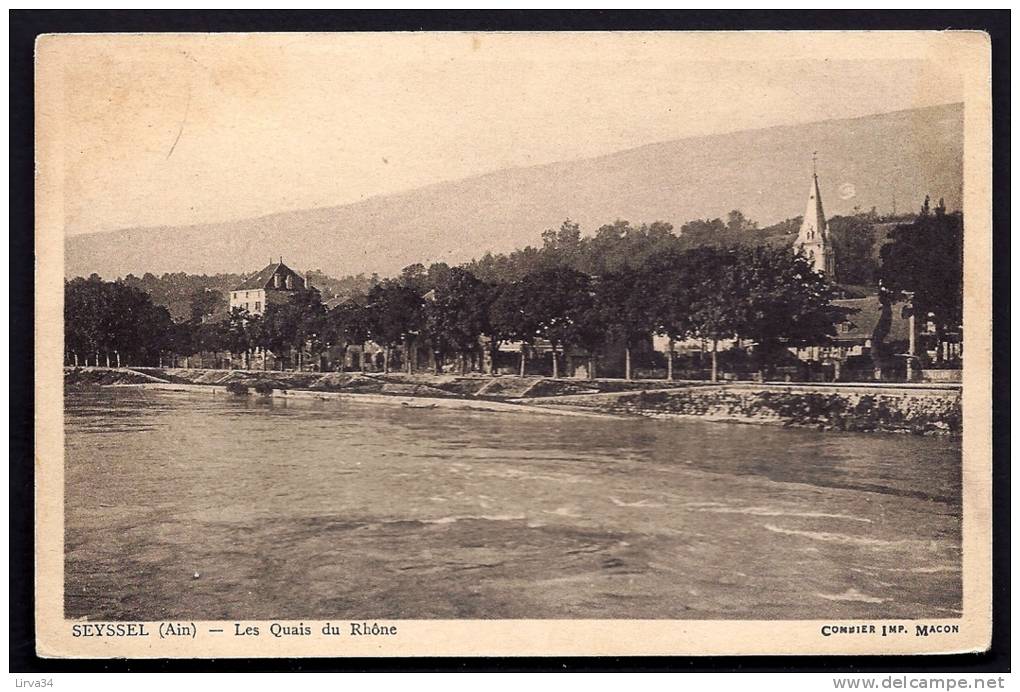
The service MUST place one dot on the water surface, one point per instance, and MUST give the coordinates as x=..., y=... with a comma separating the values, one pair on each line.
x=330, y=509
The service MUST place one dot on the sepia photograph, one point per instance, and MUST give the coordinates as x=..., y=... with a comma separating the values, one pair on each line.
x=365, y=338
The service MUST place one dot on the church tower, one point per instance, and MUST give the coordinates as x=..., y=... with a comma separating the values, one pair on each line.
x=813, y=239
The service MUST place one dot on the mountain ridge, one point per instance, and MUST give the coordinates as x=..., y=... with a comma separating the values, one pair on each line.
x=905, y=154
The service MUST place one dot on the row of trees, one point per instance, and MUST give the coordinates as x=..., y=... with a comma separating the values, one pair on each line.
x=644, y=283
x=609, y=248
x=112, y=322
x=619, y=245
x=768, y=296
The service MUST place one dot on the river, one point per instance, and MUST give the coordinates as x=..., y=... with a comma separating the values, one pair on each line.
x=200, y=506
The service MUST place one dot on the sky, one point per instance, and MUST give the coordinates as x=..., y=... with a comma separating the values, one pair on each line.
x=166, y=130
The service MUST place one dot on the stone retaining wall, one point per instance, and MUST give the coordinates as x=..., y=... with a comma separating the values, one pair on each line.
x=934, y=409
x=921, y=412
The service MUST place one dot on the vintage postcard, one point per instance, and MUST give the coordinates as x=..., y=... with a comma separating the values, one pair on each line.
x=513, y=344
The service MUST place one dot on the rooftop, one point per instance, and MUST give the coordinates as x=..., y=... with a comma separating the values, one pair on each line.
x=263, y=277
x=862, y=323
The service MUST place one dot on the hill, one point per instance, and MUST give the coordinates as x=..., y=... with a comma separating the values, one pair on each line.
x=863, y=162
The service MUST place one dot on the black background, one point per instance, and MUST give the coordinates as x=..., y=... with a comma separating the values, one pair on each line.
x=26, y=25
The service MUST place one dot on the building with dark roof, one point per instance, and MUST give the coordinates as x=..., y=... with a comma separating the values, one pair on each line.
x=859, y=328
x=864, y=339
x=275, y=283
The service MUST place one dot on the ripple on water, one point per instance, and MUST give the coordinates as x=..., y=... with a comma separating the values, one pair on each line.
x=853, y=596
x=304, y=508
x=844, y=538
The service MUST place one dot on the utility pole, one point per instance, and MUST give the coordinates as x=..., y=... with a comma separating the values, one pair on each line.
x=912, y=343
x=669, y=361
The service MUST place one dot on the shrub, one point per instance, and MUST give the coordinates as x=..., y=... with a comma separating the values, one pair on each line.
x=264, y=388
x=237, y=388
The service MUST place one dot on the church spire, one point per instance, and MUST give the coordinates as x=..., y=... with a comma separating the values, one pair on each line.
x=813, y=239
x=814, y=225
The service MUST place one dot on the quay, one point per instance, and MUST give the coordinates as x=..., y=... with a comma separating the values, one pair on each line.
x=920, y=408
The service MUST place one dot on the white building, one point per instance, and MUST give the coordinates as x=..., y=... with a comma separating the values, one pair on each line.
x=813, y=239
x=276, y=283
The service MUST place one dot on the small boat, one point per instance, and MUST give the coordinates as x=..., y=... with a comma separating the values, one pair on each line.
x=410, y=405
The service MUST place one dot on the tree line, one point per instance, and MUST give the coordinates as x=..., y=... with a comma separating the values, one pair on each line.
x=619, y=286
x=111, y=322
x=609, y=247
x=767, y=295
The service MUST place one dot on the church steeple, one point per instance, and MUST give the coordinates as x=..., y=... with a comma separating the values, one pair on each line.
x=813, y=239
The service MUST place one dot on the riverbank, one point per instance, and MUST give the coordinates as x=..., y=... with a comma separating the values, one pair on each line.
x=919, y=411
x=410, y=402
x=856, y=407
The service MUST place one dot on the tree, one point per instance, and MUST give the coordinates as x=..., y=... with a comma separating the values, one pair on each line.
x=312, y=327
x=437, y=271
x=180, y=338
x=205, y=336
x=415, y=277
x=178, y=291
x=205, y=303
x=926, y=258
x=115, y=320
x=783, y=302
x=84, y=305
x=241, y=333
x=288, y=327
x=702, y=232
x=715, y=301
x=559, y=299
x=626, y=307
x=346, y=326
x=339, y=290
x=590, y=330
x=394, y=313
x=136, y=327
x=563, y=246
x=511, y=317
x=278, y=329
x=608, y=249
x=672, y=297
x=853, y=245
x=457, y=314
x=737, y=223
